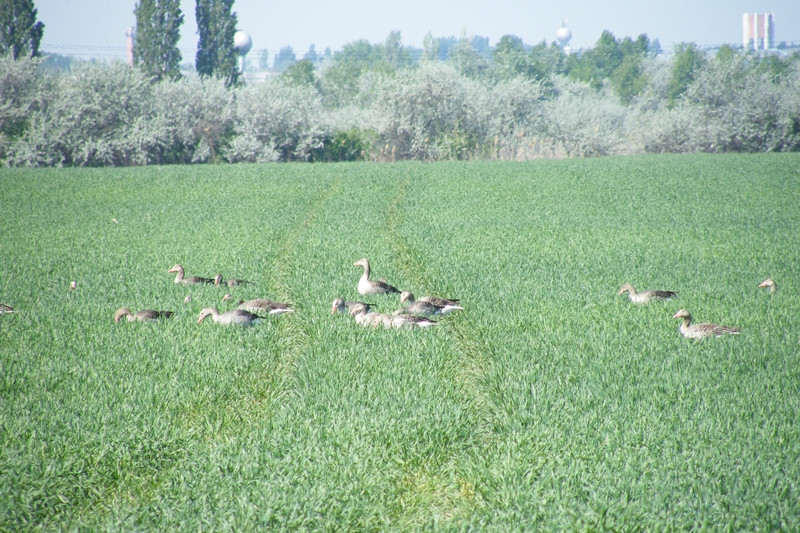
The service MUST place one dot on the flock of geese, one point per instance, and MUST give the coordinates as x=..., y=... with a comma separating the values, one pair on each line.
x=687, y=329
x=417, y=312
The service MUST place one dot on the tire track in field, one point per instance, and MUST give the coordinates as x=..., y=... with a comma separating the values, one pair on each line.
x=475, y=355
x=275, y=385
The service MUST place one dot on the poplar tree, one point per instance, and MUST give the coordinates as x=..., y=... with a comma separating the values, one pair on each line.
x=216, y=56
x=20, y=33
x=155, y=46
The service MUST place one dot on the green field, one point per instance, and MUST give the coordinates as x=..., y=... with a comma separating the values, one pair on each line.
x=548, y=403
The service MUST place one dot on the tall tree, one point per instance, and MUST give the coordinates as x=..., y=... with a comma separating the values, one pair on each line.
x=20, y=34
x=155, y=45
x=216, y=56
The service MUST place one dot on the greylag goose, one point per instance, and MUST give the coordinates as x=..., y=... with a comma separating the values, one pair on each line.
x=6, y=309
x=698, y=331
x=400, y=320
x=645, y=296
x=428, y=305
x=144, y=315
x=365, y=318
x=231, y=283
x=369, y=286
x=236, y=317
x=770, y=284
x=339, y=305
x=180, y=277
x=264, y=306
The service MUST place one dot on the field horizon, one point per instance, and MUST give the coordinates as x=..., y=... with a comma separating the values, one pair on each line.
x=549, y=402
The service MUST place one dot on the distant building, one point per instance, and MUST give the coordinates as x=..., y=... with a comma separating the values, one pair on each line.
x=758, y=31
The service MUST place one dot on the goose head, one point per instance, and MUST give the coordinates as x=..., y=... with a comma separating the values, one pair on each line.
x=625, y=288
x=406, y=296
x=358, y=309
x=770, y=284
x=205, y=312
x=683, y=313
x=121, y=312
x=175, y=269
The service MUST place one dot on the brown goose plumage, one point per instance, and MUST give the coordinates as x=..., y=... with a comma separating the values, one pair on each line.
x=262, y=305
x=6, y=309
x=368, y=286
x=365, y=318
x=230, y=283
x=698, y=331
x=427, y=305
x=180, y=277
x=145, y=315
x=236, y=317
x=645, y=296
x=339, y=305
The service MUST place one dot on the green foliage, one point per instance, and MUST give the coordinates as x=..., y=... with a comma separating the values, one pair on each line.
x=155, y=46
x=351, y=145
x=511, y=60
x=284, y=59
x=340, y=81
x=549, y=403
x=687, y=62
x=301, y=74
x=216, y=56
x=20, y=32
x=467, y=60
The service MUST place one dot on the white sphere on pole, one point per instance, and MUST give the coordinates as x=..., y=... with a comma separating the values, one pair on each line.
x=242, y=42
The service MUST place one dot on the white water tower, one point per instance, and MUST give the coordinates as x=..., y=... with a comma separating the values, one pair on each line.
x=242, y=43
x=563, y=35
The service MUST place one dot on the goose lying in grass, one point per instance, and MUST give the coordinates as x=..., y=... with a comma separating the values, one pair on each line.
x=363, y=317
x=339, y=305
x=144, y=315
x=236, y=317
x=402, y=320
x=427, y=305
x=769, y=284
x=180, y=277
x=368, y=286
x=231, y=283
x=698, y=331
x=262, y=305
x=6, y=309
x=645, y=296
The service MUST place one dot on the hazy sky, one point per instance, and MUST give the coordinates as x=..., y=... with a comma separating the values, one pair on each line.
x=96, y=28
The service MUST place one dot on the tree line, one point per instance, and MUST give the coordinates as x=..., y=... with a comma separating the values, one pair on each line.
x=386, y=102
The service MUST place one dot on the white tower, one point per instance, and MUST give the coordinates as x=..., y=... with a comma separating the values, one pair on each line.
x=563, y=35
x=242, y=43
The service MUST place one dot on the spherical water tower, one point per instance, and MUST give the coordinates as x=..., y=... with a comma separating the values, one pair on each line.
x=563, y=35
x=242, y=43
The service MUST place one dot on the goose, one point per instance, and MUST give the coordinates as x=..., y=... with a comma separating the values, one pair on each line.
x=236, y=317
x=231, y=283
x=645, y=296
x=144, y=315
x=400, y=320
x=368, y=286
x=698, y=331
x=264, y=306
x=6, y=309
x=769, y=283
x=179, y=278
x=339, y=305
x=364, y=318
x=428, y=305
